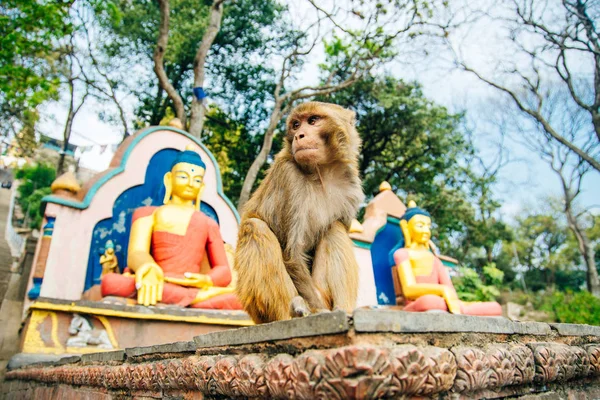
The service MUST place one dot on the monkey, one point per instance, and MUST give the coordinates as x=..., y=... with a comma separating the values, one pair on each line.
x=294, y=256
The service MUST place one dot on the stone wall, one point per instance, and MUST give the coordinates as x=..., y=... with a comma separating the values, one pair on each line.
x=374, y=354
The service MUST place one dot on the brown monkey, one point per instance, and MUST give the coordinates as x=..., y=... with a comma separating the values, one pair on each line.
x=294, y=255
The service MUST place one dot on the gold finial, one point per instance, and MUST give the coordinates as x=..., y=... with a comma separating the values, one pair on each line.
x=412, y=204
x=385, y=186
x=66, y=181
x=356, y=227
x=176, y=123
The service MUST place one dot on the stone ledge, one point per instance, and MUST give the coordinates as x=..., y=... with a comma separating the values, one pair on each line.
x=68, y=360
x=22, y=360
x=386, y=354
x=233, y=315
x=355, y=371
x=177, y=347
x=576, y=329
x=118, y=355
x=313, y=325
x=381, y=320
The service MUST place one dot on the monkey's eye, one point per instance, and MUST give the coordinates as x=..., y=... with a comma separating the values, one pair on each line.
x=313, y=119
x=295, y=124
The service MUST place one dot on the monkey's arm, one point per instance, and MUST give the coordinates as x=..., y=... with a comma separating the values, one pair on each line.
x=298, y=271
x=335, y=270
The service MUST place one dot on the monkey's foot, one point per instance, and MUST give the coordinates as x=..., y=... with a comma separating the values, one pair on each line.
x=299, y=307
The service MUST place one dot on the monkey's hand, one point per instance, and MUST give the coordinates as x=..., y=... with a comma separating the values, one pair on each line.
x=149, y=282
x=298, y=307
x=200, y=281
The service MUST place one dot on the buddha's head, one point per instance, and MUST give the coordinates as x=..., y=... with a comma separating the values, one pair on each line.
x=184, y=183
x=416, y=225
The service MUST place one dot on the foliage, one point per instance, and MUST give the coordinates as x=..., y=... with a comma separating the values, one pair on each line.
x=34, y=206
x=574, y=307
x=547, y=250
x=483, y=230
x=35, y=181
x=29, y=30
x=233, y=147
x=470, y=287
x=412, y=143
x=235, y=66
x=26, y=139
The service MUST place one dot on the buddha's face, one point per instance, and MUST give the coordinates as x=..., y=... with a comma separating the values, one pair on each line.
x=186, y=180
x=419, y=228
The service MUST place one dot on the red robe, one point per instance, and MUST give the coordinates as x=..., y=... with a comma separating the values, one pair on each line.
x=439, y=275
x=177, y=254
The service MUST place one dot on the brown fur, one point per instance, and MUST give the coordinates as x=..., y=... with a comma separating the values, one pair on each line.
x=293, y=239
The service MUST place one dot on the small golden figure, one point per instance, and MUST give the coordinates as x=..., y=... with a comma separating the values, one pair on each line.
x=109, y=260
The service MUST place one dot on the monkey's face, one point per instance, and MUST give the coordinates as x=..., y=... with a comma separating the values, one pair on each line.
x=322, y=133
x=308, y=143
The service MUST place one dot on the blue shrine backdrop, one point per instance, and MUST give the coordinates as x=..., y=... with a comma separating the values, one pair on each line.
x=150, y=193
x=385, y=240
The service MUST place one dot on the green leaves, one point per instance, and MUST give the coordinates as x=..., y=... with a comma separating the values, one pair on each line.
x=35, y=184
x=29, y=31
x=412, y=143
x=470, y=287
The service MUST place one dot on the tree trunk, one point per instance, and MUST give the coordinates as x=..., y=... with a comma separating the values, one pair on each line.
x=198, y=110
x=260, y=160
x=159, y=68
x=60, y=169
x=587, y=252
x=123, y=121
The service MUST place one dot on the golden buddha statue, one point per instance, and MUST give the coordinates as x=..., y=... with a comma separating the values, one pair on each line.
x=424, y=280
x=169, y=244
x=108, y=260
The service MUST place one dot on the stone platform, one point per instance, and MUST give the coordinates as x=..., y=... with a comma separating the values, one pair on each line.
x=375, y=353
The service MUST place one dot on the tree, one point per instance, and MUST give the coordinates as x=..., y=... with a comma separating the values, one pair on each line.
x=412, y=143
x=485, y=233
x=569, y=167
x=71, y=76
x=35, y=181
x=29, y=31
x=541, y=247
x=233, y=147
x=552, y=44
x=102, y=76
x=236, y=74
x=26, y=137
x=349, y=55
x=571, y=177
x=197, y=108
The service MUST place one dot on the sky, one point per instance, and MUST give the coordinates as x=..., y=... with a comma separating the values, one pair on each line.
x=522, y=183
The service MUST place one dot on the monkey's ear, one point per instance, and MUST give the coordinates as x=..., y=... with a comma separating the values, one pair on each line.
x=351, y=117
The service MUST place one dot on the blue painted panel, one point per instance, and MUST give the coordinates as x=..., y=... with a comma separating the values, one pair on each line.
x=384, y=242
x=150, y=193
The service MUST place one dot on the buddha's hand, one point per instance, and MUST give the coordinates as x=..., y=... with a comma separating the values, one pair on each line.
x=190, y=279
x=149, y=282
x=201, y=281
x=454, y=304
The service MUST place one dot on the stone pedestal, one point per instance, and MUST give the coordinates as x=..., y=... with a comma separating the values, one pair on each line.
x=373, y=354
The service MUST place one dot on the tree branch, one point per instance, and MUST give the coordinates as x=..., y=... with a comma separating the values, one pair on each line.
x=158, y=57
x=198, y=110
